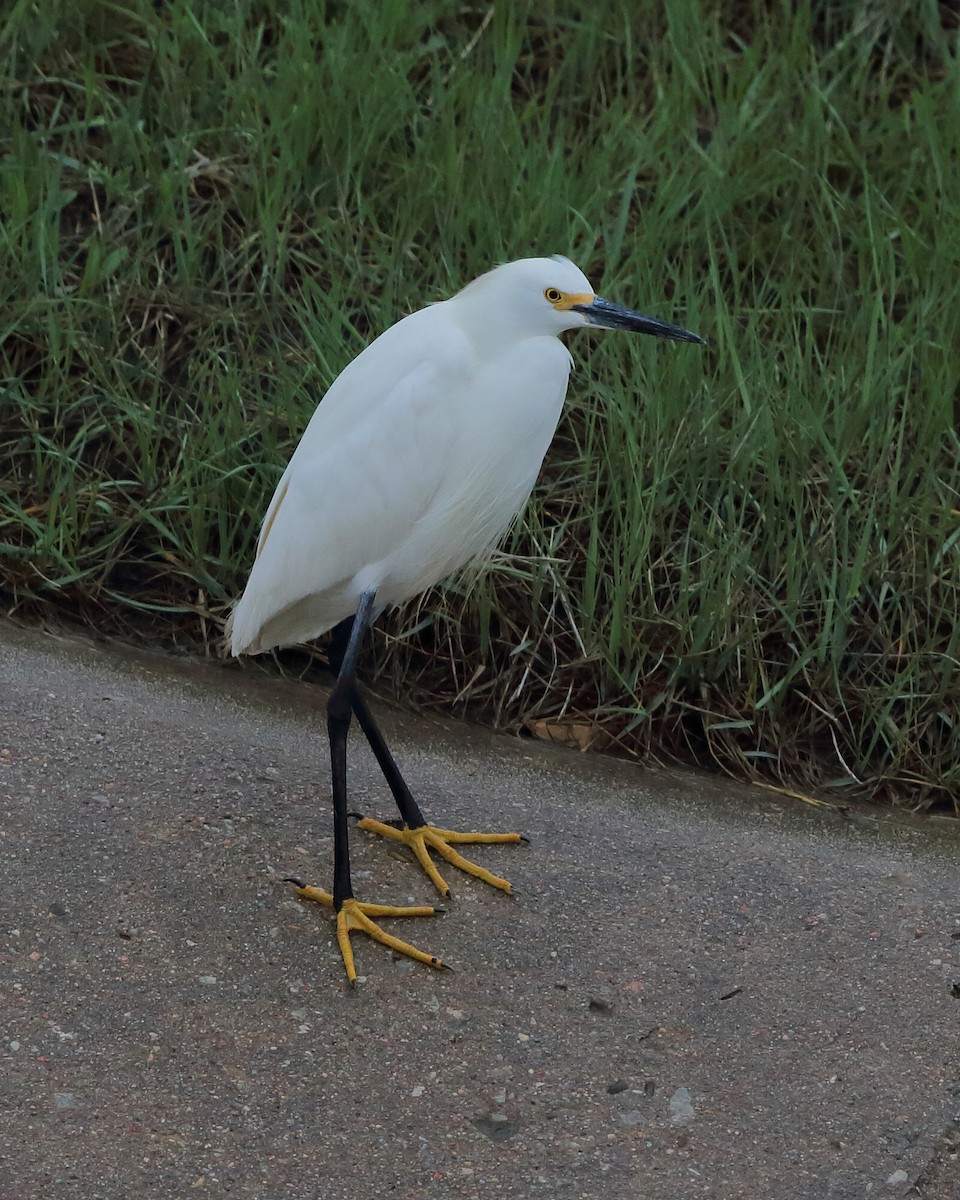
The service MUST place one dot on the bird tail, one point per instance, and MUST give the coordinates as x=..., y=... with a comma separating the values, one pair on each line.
x=225, y=644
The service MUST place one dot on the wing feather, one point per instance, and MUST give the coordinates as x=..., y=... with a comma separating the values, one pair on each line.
x=414, y=464
x=365, y=471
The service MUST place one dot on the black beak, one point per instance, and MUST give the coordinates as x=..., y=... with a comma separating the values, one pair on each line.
x=612, y=316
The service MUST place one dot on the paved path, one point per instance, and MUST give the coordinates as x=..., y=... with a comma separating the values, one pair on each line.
x=698, y=993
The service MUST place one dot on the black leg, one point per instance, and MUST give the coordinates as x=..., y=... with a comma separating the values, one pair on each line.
x=412, y=830
x=339, y=707
x=409, y=809
x=413, y=818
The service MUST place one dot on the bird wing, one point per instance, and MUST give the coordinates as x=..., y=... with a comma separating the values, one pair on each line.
x=367, y=468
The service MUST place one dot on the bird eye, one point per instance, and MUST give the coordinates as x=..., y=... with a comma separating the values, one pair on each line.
x=553, y=295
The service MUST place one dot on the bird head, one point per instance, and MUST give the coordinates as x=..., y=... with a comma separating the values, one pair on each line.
x=550, y=295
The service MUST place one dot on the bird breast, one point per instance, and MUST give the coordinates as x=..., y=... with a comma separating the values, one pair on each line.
x=484, y=462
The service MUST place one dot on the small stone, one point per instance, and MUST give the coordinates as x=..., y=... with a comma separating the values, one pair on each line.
x=208, y=980
x=64, y=1100
x=897, y=1177
x=681, y=1109
x=631, y=1118
x=417, y=1092
x=616, y=1087
x=14, y=1046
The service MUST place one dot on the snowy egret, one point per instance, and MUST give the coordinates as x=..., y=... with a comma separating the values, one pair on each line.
x=421, y=454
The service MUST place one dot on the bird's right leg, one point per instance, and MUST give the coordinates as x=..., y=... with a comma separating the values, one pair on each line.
x=412, y=829
x=351, y=913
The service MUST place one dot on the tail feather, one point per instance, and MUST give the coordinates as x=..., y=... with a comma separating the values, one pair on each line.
x=225, y=645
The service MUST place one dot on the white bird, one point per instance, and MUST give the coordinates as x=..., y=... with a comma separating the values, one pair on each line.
x=415, y=463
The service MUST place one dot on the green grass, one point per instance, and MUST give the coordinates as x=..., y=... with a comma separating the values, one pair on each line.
x=747, y=556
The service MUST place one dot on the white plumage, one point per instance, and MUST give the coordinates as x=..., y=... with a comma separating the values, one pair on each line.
x=418, y=458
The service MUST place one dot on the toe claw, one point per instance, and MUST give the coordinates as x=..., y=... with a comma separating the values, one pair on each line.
x=294, y=880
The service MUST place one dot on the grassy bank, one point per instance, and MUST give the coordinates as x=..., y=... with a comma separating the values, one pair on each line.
x=747, y=556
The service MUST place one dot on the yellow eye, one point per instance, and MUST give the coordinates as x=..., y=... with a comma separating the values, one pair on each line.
x=553, y=295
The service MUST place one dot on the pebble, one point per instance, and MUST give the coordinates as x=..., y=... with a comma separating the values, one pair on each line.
x=208, y=980
x=897, y=1177
x=681, y=1109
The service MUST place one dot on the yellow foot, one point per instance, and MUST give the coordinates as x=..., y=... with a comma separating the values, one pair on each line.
x=356, y=915
x=441, y=840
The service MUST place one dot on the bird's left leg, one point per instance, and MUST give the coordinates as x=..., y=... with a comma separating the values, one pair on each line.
x=413, y=829
x=353, y=914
